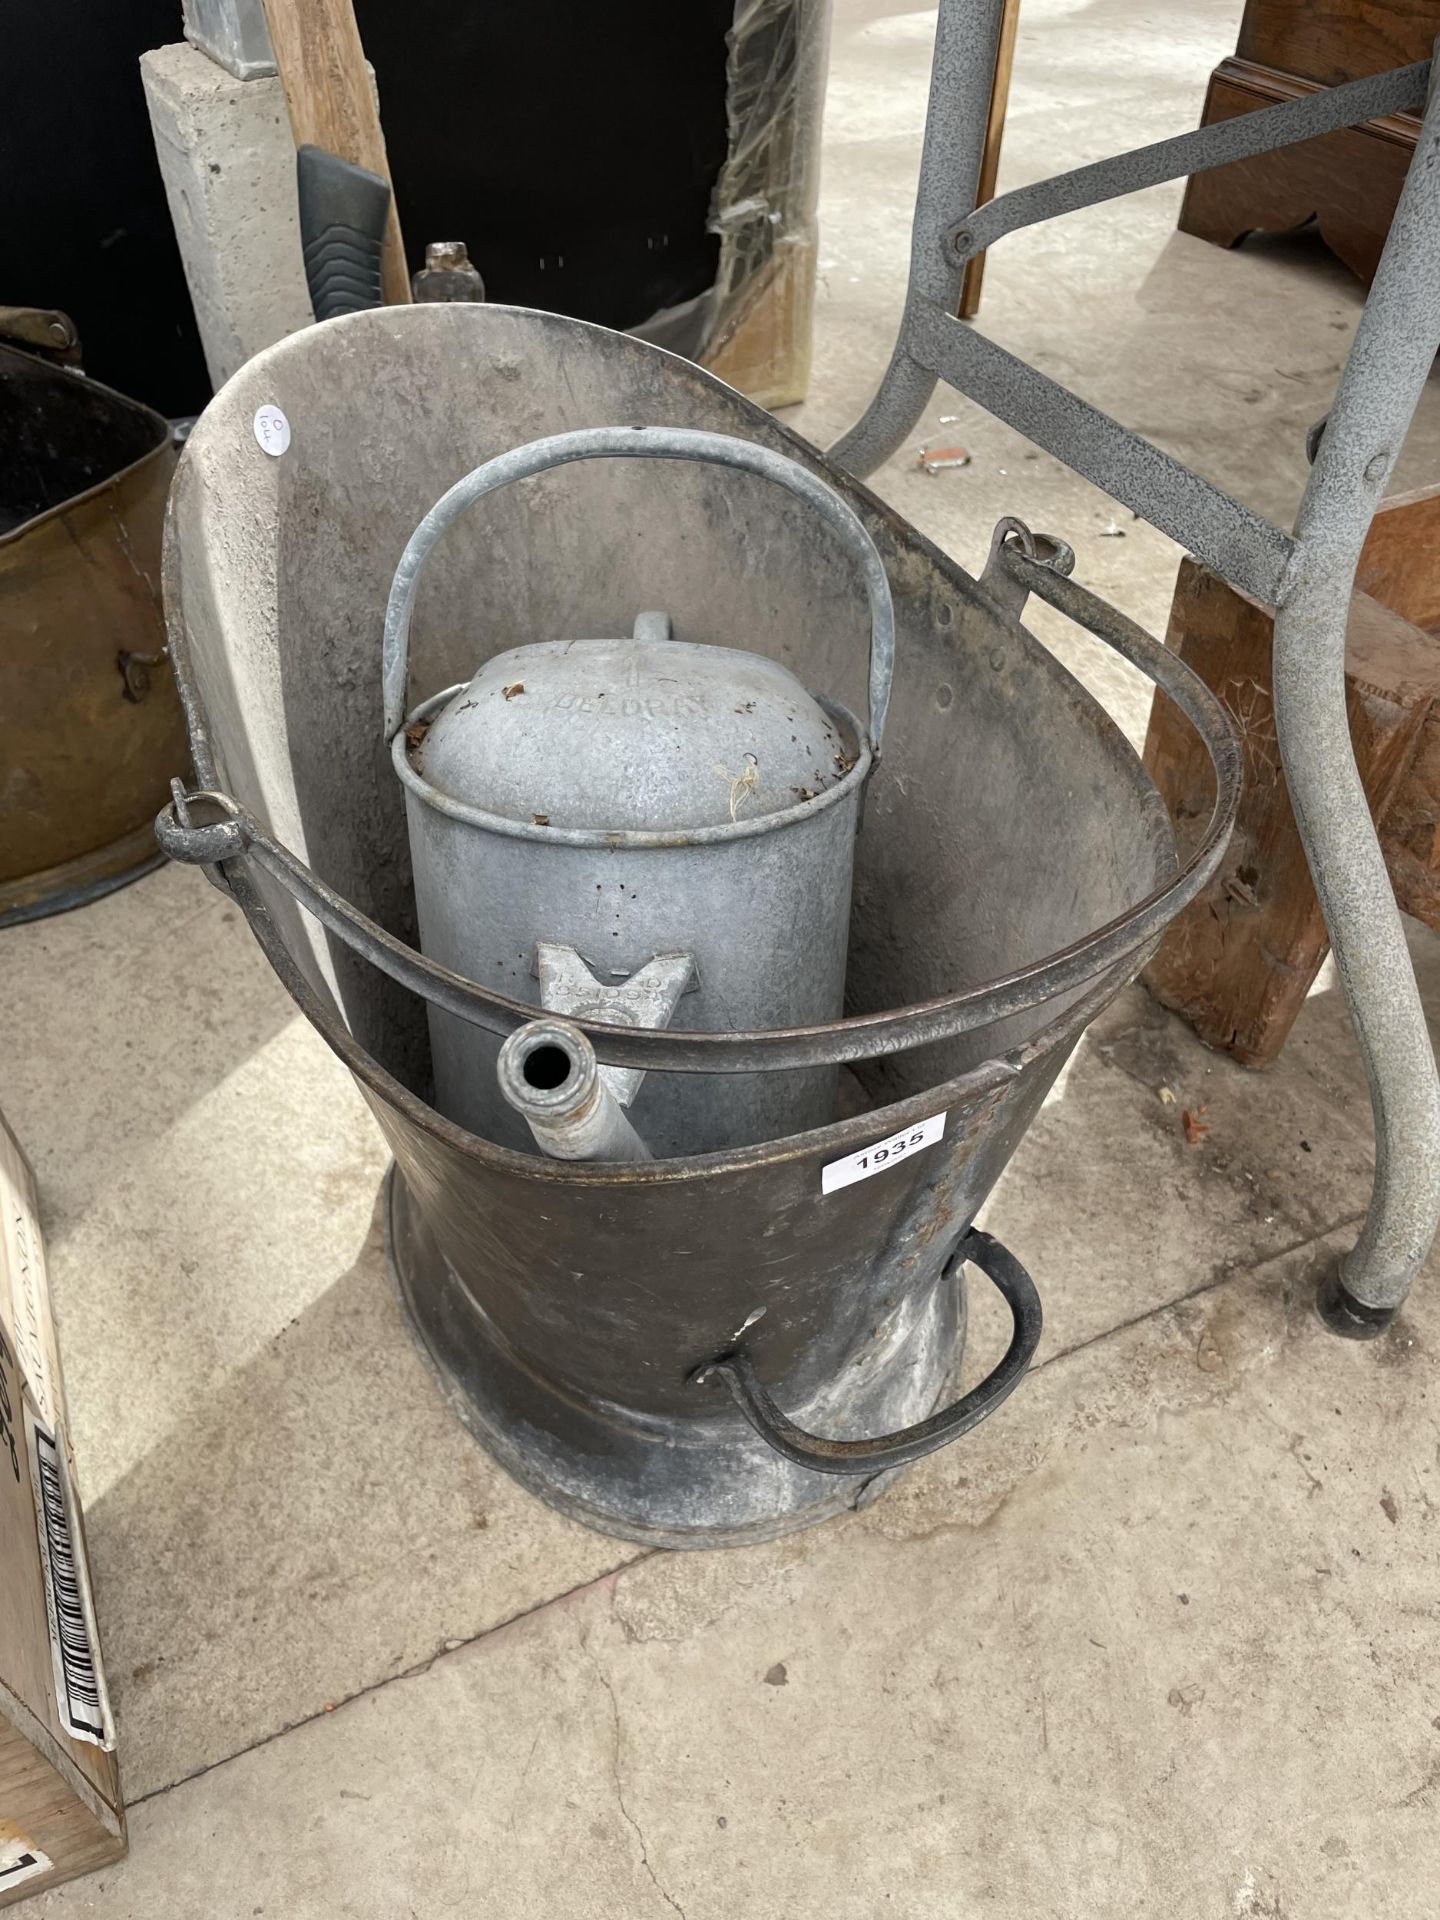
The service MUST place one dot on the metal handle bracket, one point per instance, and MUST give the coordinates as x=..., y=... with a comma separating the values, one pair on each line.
x=737, y=1370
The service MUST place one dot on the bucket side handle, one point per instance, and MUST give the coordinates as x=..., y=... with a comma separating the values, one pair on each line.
x=653, y=443
x=1015, y=1286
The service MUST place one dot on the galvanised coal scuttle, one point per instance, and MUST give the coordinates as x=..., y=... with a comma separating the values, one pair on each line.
x=645, y=1151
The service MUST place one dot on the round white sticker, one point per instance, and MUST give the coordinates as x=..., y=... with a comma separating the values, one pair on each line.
x=272, y=430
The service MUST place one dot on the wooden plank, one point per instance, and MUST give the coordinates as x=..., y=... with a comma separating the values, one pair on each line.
x=1239, y=962
x=46, y=1804
x=1400, y=567
x=1409, y=834
x=1400, y=564
x=990, y=159
x=766, y=349
x=332, y=103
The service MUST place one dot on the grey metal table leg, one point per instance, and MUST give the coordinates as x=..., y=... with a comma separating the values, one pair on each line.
x=1308, y=574
x=962, y=73
x=1394, y=349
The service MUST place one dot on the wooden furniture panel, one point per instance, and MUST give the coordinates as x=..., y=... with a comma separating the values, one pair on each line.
x=1347, y=182
x=1328, y=41
x=1400, y=565
x=1401, y=568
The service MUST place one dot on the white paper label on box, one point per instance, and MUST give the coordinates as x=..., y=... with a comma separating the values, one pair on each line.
x=272, y=430
x=70, y=1611
x=20, y=1861
x=884, y=1153
x=30, y=1304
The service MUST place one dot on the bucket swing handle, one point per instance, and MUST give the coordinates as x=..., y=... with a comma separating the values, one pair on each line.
x=1021, y=564
x=1015, y=1286
x=653, y=443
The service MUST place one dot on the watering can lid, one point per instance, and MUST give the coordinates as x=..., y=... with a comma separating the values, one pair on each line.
x=647, y=734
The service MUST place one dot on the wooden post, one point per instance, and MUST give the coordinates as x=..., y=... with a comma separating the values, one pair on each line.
x=990, y=159
x=1239, y=962
x=332, y=103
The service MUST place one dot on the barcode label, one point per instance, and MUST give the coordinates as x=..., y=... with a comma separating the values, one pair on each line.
x=79, y=1685
x=884, y=1153
x=20, y=1861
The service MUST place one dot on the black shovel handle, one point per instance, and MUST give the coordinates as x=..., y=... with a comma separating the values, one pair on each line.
x=912, y=1443
x=343, y=211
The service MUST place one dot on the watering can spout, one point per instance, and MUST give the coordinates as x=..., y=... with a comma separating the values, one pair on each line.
x=548, y=1072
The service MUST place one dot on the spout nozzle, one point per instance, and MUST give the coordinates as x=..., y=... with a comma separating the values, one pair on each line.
x=548, y=1072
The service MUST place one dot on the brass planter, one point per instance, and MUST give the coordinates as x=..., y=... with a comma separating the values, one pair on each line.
x=91, y=729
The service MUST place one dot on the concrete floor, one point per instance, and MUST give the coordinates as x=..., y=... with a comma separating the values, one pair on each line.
x=1158, y=1639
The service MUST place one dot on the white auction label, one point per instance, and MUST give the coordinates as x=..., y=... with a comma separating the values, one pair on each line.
x=272, y=430
x=884, y=1153
x=18, y=1859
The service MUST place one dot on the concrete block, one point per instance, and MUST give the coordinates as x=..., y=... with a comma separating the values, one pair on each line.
x=228, y=163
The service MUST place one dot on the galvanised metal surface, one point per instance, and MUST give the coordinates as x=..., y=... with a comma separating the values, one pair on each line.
x=626, y=798
x=684, y=444
x=1307, y=575
x=575, y=1308
x=550, y=1076
x=1015, y=569
x=647, y=998
x=765, y=915
x=603, y=738
x=234, y=33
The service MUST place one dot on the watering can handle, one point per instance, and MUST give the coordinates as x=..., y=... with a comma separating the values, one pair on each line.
x=737, y=1370
x=654, y=443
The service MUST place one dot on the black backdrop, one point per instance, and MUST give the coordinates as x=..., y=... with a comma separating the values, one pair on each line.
x=85, y=226
x=572, y=146
x=550, y=130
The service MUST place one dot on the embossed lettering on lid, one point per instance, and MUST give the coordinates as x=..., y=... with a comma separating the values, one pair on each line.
x=646, y=734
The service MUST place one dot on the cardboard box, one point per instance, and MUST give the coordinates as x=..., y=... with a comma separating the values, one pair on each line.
x=60, y=1808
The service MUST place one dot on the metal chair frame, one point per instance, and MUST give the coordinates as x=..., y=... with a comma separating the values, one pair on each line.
x=1306, y=574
